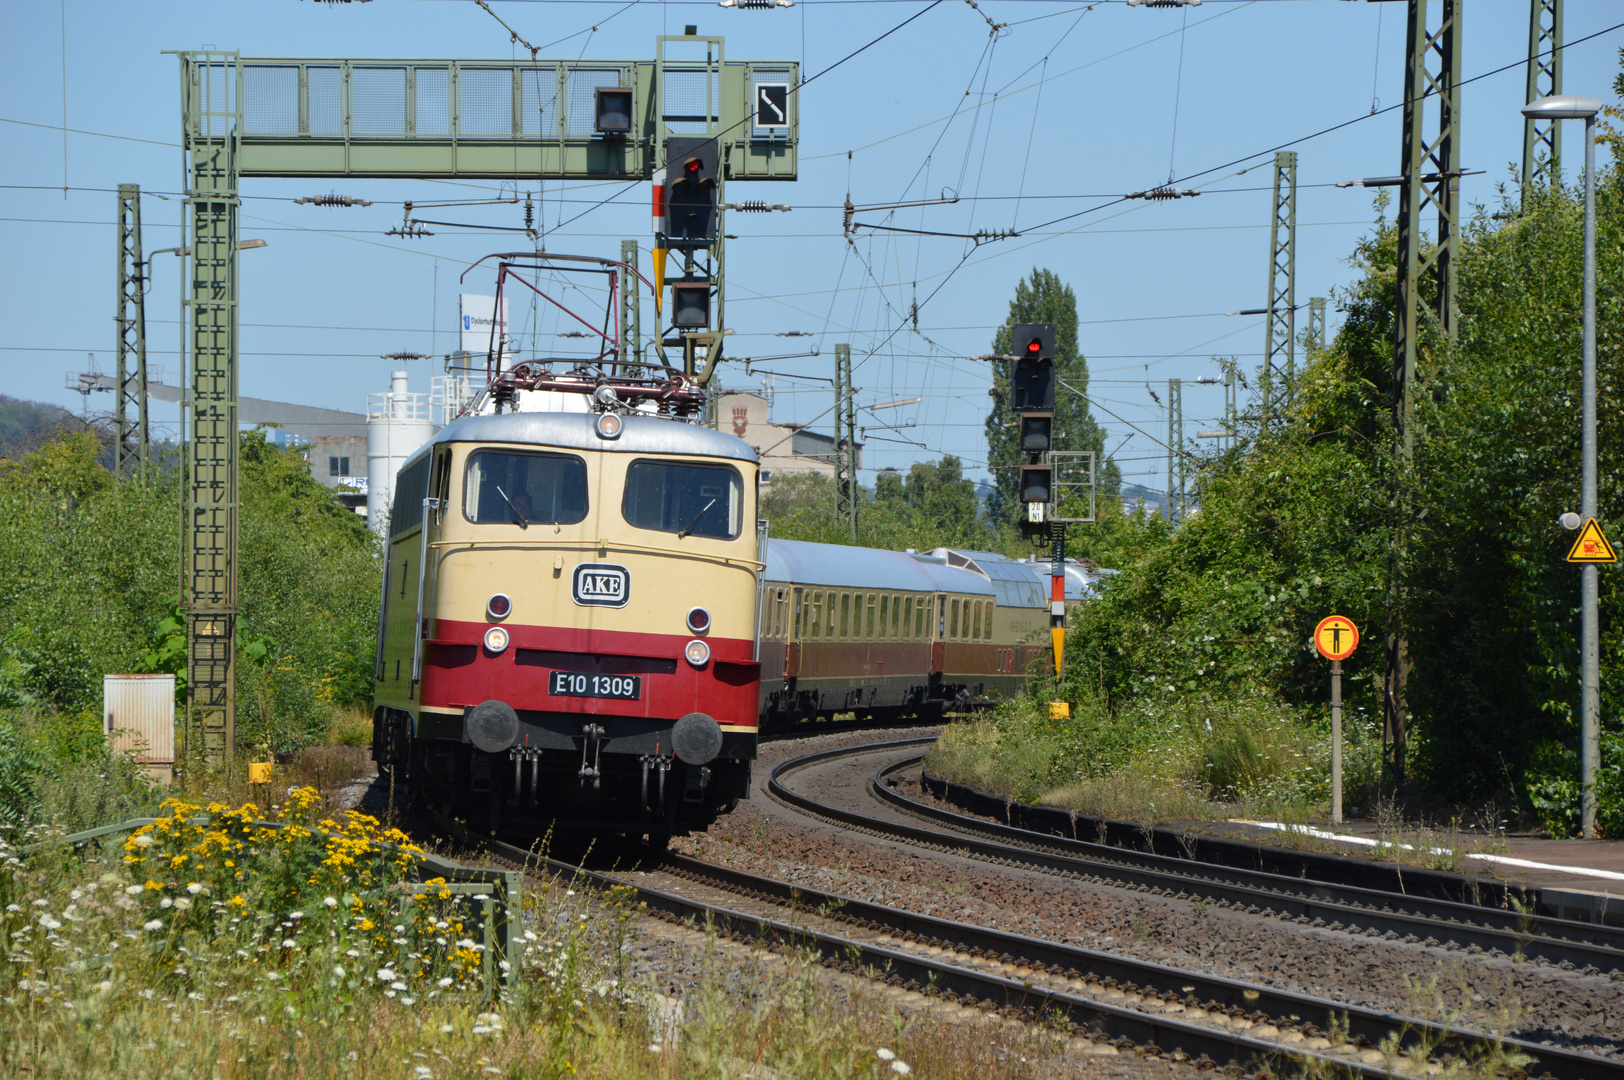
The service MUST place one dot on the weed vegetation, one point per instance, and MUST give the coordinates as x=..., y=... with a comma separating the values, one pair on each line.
x=1179, y=758
x=213, y=943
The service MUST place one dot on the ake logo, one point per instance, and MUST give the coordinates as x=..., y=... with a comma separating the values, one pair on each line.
x=601, y=585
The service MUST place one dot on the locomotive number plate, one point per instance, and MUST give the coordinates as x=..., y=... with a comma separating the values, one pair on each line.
x=576, y=684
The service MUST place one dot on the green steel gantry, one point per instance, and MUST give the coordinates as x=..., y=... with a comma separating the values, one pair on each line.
x=1430, y=178
x=132, y=442
x=846, y=493
x=1280, y=323
x=408, y=119
x=1542, y=139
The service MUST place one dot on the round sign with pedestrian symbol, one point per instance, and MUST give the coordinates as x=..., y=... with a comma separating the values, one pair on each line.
x=1336, y=637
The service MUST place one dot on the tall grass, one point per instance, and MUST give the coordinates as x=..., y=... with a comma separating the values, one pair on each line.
x=277, y=956
x=1190, y=757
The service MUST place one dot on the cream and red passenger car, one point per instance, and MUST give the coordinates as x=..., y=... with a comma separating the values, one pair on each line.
x=569, y=615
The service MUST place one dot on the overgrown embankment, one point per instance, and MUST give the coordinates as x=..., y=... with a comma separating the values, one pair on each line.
x=1302, y=519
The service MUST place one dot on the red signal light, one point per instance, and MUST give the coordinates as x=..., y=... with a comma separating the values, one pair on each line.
x=692, y=166
x=1034, y=346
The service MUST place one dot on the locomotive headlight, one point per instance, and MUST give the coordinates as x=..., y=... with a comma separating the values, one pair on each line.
x=608, y=425
x=496, y=639
x=699, y=620
x=697, y=652
x=499, y=607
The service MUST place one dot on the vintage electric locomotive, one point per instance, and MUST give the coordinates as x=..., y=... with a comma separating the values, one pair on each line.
x=568, y=632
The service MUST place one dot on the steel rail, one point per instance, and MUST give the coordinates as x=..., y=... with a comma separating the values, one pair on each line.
x=1193, y=990
x=1543, y=937
x=1100, y=1020
x=1375, y=912
x=1374, y=1025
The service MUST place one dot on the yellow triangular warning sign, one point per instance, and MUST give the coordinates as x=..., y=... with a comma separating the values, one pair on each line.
x=1592, y=546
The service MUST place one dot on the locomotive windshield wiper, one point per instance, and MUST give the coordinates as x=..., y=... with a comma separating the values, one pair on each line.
x=688, y=528
x=524, y=522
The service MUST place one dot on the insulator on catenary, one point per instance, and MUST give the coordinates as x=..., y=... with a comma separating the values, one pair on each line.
x=333, y=200
x=1163, y=193
x=755, y=207
x=756, y=5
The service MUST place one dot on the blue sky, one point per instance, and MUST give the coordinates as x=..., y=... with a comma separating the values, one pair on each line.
x=1060, y=111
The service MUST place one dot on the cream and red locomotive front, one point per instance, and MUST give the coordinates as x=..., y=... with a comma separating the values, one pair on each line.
x=583, y=624
x=568, y=632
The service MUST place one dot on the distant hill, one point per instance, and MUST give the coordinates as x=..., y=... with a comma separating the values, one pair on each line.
x=24, y=425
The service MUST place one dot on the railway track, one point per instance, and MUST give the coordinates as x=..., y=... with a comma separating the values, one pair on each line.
x=1104, y=998
x=1572, y=945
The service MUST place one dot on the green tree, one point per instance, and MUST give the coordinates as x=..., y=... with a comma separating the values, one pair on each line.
x=1043, y=298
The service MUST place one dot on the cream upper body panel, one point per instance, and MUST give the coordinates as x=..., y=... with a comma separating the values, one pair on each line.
x=672, y=529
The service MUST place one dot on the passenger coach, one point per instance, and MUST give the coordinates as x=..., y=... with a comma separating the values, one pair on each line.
x=568, y=624
x=884, y=633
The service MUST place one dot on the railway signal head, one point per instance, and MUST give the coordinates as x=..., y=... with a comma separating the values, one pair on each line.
x=1031, y=376
x=1037, y=483
x=690, y=303
x=692, y=176
x=612, y=111
x=1036, y=432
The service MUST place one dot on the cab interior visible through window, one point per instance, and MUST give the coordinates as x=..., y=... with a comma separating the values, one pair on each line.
x=689, y=500
x=520, y=488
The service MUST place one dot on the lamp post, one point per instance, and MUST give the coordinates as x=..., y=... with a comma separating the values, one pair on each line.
x=1572, y=107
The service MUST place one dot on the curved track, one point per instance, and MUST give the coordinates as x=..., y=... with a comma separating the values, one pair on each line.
x=1564, y=942
x=1304, y=901
x=1102, y=997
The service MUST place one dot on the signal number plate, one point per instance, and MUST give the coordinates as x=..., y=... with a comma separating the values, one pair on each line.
x=576, y=684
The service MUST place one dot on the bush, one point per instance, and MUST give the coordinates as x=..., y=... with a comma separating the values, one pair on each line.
x=1192, y=756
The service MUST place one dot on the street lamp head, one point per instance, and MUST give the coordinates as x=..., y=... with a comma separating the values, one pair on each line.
x=1562, y=107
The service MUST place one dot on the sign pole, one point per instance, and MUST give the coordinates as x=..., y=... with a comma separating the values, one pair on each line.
x=1336, y=742
x=1336, y=638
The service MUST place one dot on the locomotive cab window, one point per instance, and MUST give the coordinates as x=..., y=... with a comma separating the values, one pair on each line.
x=689, y=500
x=508, y=488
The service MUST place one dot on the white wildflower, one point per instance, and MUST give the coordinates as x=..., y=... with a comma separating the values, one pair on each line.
x=352, y=953
x=397, y=986
x=884, y=1055
x=338, y=970
x=331, y=901
x=466, y=943
x=182, y=904
x=154, y=924
x=144, y=840
x=136, y=890
x=288, y=943
x=194, y=888
x=900, y=1068
x=654, y=1048
x=49, y=923
x=386, y=975
x=444, y=982
x=408, y=1001
x=166, y=903
x=295, y=914
x=446, y=1029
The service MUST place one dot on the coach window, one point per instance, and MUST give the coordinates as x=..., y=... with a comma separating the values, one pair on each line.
x=689, y=500
x=868, y=623
x=506, y=488
x=885, y=612
x=845, y=614
x=977, y=634
x=953, y=620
